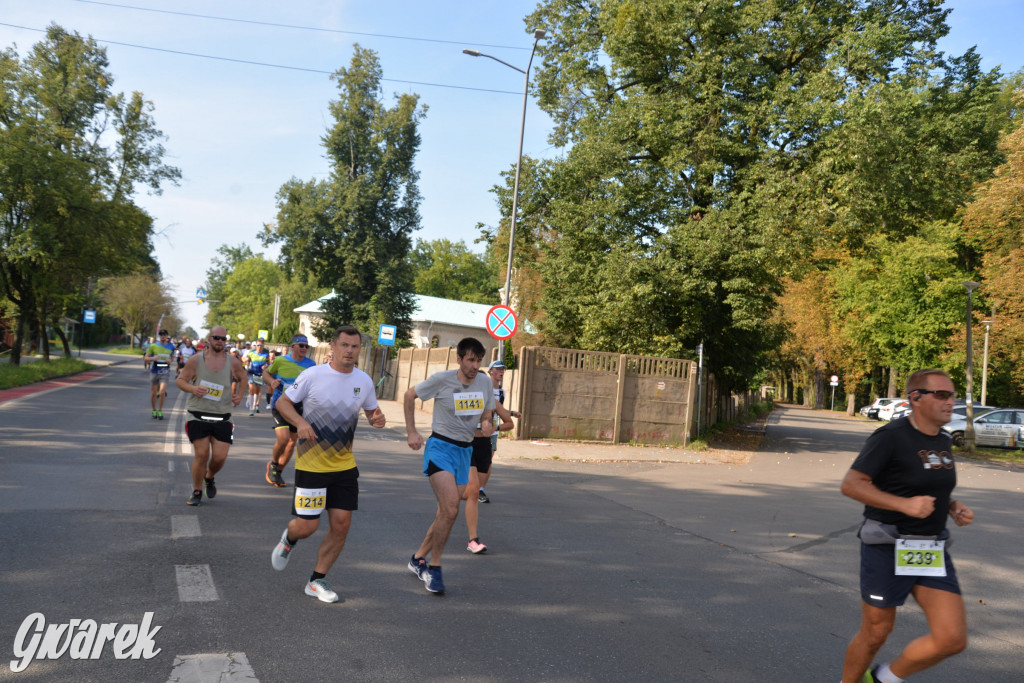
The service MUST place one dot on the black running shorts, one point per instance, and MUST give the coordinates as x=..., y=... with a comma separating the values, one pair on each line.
x=221, y=430
x=317, y=491
x=482, y=454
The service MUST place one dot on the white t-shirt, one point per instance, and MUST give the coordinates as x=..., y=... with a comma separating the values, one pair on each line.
x=331, y=403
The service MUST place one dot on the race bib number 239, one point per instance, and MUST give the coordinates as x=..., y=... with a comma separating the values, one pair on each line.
x=920, y=558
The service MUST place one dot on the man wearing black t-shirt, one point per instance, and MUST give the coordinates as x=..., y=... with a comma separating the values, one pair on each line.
x=905, y=476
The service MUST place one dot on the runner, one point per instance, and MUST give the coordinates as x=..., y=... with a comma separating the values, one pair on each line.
x=497, y=372
x=255, y=361
x=462, y=399
x=208, y=377
x=280, y=374
x=158, y=357
x=184, y=352
x=271, y=355
x=905, y=475
x=483, y=454
x=326, y=477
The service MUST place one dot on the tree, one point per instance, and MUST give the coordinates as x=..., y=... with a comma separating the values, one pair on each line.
x=72, y=154
x=706, y=159
x=994, y=224
x=139, y=301
x=449, y=270
x=353, y=231
x=247, y=289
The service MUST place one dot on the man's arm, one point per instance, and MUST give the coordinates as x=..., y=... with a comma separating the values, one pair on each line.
x=187, y=376
x=506, y=418
x=487, y=423
x=415, y=440
x=241, y=384
x=376, y=417
x=304, y=430
x=862, y=489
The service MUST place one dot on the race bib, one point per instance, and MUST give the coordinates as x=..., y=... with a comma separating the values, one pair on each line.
x=468, y=403
x=161, y=365
x=213, y=391
x=309, y=502
x=920, y=558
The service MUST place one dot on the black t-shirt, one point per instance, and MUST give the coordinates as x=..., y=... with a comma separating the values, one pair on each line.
x=904, y=462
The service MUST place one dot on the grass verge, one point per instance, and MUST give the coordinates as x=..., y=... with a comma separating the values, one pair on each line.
x=124, y=350
x=29, y=373
x=997, y=455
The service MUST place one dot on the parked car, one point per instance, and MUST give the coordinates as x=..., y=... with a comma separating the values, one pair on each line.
x=871, y=411
x=960, y=411
x=1000, y=427
x=902, y=411
x=886, y=411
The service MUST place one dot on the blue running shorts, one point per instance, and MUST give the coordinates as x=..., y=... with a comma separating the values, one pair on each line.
x=448, y=457
x=879, y=585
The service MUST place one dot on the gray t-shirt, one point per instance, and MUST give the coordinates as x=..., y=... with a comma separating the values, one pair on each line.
x=457, y=407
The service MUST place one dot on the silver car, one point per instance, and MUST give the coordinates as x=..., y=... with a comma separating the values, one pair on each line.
x=999, y=428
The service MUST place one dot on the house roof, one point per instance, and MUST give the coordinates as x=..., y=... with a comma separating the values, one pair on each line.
x=428, y=309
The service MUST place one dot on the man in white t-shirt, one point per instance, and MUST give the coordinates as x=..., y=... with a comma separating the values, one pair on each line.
x=326, y=477
x=462, y=399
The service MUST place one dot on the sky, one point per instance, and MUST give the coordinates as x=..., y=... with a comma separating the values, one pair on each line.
x=239, y=126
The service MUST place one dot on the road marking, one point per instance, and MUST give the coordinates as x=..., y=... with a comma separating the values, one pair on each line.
x=185, y=526
x=232, y=667
x=195, y=583
x=173, y=437
x=11, y=396
x=170, y=465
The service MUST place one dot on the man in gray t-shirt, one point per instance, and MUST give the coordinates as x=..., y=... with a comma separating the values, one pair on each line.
x=463, y=399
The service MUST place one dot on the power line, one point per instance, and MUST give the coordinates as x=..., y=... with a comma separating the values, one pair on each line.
x=301, y=28
x=268, y=64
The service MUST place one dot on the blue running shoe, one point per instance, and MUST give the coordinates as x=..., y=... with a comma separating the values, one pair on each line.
x=417, y=567
x=432, y=578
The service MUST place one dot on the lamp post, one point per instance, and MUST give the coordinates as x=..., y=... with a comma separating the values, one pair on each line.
x=537, y=36
x=969, y=429
x=984, y=364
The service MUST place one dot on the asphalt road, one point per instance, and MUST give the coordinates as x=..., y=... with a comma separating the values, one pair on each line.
x=618, y=570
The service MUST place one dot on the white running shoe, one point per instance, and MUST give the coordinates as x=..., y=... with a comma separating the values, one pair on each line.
x=279, y=558
x=321, y=590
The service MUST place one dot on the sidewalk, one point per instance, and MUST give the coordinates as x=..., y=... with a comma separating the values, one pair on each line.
x=519, y=449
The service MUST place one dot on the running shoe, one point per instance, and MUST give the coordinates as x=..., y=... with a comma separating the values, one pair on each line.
x=869, y=675
x=251, y=413
x=211, y=488
x=274, y=475
x=159, y=414
x=279, y=558
x=417, y=567
x=321, y=590
x=483, y=497
x=196, y=499
x=432, y=578
x=154, y=414
x=476, y=547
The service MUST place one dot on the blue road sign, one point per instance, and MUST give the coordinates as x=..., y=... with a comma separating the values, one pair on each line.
x=386, y=336
x=89, y=317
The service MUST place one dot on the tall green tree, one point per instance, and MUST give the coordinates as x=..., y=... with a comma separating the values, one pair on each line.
x=72, y=156
x=706, y=159
x=139, y=301
x=353, y=232
x=449, y=270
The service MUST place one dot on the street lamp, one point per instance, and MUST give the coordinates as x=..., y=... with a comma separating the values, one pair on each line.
x=969, y=429
x=537, y=35
x=984, y=366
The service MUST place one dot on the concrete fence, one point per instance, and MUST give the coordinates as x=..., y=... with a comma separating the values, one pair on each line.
x=594, y=396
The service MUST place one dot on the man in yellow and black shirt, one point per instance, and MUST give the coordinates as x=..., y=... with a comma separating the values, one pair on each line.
x=326, y=478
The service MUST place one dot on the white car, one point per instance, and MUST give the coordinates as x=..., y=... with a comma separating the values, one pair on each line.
x=871, y=411
x=1001, y=427
x=886, y=411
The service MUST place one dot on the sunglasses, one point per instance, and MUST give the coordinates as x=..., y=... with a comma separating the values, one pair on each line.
x=301, y=346
x=217, y=337
x=940, y=394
